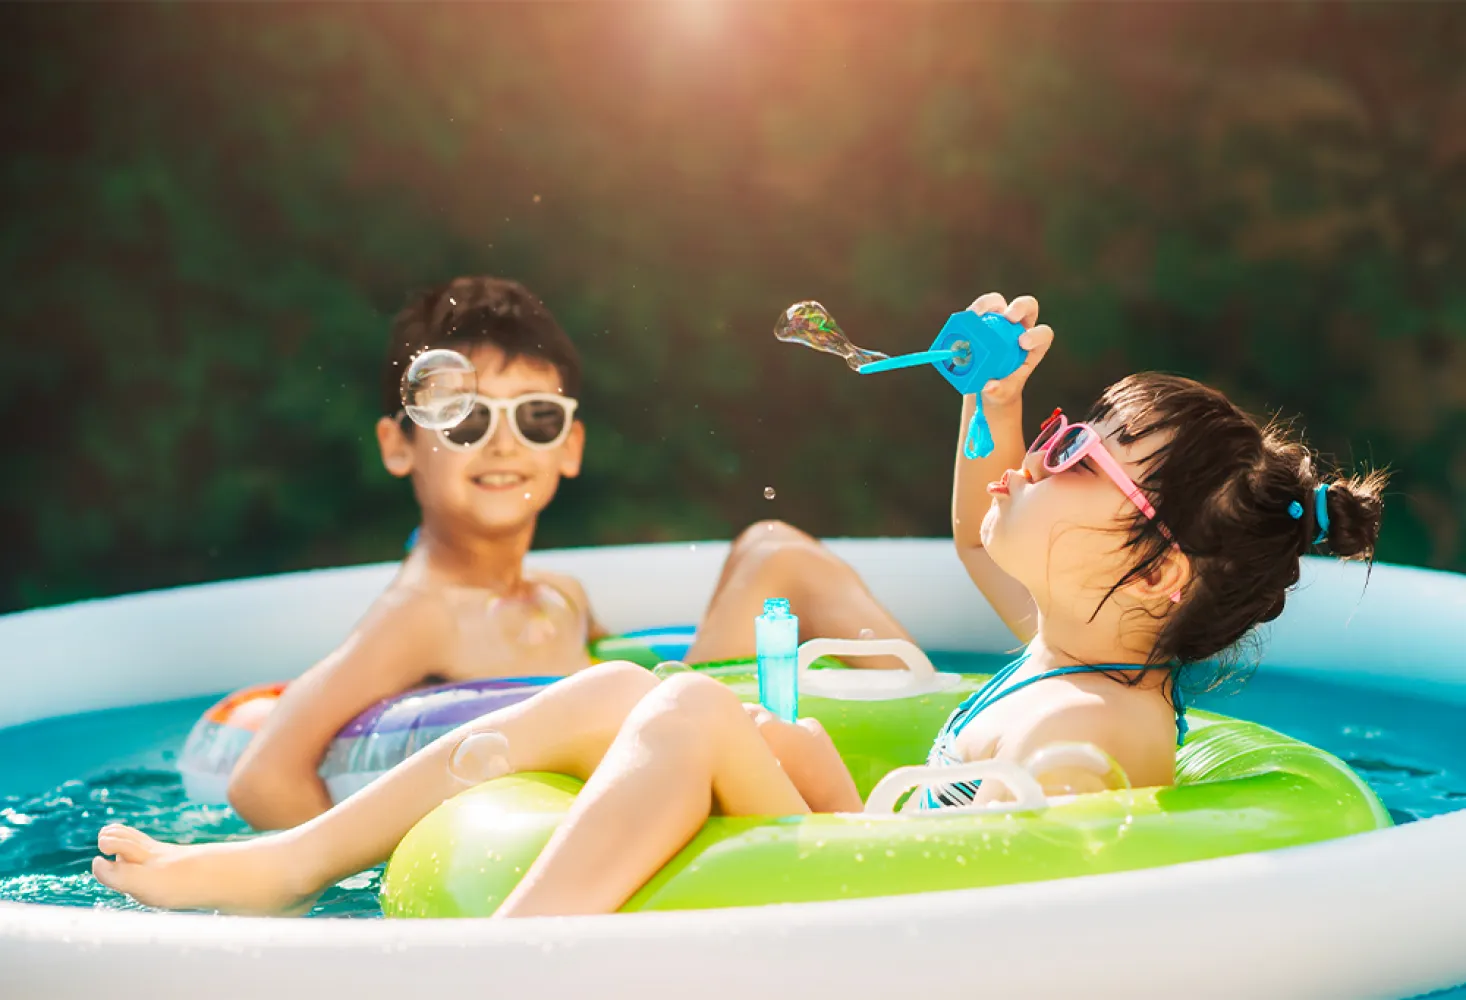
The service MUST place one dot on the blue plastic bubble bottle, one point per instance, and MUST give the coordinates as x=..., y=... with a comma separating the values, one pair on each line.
x=776, y=640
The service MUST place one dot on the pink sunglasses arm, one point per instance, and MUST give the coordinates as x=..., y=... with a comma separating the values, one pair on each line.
x=1106, y=461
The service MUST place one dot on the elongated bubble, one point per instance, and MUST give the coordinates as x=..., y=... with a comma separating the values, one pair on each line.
x=811, y=324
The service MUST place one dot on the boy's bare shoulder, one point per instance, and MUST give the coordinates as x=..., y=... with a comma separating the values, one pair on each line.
x=572, y=588
x=574, y=592
x=413, y=613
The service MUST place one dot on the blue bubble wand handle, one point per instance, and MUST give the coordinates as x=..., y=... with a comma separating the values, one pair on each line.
x=971, y=351
x=907, y=361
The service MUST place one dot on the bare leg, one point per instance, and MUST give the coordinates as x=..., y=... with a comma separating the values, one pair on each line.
x=686, y=748
x=772, y=559
x=566, y=728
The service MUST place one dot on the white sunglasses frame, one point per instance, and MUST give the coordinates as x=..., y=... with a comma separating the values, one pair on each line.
x=507, y=408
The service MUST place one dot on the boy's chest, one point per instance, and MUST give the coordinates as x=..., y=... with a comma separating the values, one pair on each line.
x=537, y=634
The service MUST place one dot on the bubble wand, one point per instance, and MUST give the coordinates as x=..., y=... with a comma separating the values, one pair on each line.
x=970, y=351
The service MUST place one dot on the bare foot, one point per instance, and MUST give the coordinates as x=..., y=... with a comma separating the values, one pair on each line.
x=252, y=876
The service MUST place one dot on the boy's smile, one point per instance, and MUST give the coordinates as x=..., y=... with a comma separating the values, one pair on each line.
x=499, y=480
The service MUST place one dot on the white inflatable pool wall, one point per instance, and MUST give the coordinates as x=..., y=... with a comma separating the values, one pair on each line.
x=1379, y=915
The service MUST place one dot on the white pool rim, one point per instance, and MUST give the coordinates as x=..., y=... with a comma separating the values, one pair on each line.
x=1379, y=915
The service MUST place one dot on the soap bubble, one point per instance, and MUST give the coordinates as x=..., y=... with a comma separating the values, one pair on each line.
x=532, y=616
x=670, y=668
x=479, y=757
x=769, y=493
x=811, y=324
x=438, y=389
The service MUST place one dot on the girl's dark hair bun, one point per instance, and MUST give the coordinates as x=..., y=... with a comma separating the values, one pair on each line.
x=1355, y=506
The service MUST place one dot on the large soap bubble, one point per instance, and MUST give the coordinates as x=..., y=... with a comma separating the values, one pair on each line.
x=438, y=389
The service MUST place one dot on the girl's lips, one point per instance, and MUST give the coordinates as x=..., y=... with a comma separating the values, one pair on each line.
x=1001, y=489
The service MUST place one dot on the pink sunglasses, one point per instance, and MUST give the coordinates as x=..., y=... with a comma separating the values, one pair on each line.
x=1063, y=445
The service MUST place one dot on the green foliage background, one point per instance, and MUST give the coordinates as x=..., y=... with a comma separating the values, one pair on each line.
x=211, y=211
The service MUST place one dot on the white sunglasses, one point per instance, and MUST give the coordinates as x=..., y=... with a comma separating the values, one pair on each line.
x=539, y=420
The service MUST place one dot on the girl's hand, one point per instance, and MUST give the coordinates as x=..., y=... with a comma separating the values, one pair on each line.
x=808, y=756
x=1000, y=394
x=790, y=739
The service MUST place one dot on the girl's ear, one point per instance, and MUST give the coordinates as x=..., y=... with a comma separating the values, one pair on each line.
x=1166, y=581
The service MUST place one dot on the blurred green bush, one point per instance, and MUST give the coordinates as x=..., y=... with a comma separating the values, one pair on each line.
x=211, y=212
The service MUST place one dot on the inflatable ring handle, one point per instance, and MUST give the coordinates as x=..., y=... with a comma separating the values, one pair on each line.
x=907, y=652
x=1024, y=786
x=1084, y=756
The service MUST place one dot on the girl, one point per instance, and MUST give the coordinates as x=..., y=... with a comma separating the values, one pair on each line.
x=1122, y=550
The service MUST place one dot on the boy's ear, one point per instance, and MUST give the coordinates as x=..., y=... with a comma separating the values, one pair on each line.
x=572, y=451
x=396, y=448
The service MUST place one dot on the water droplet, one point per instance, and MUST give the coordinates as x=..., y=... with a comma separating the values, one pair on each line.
x=811, y=324
x=867, y=633
x=769, y=493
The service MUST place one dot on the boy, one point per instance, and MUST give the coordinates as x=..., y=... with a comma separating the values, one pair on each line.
x=461, y=606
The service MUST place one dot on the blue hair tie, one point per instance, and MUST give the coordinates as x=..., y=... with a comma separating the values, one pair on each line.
x=1295, y=510
x=1321, y=511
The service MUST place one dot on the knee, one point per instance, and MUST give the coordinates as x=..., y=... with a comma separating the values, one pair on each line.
x=791, y=566
x=763, y=534
x=696, y=699
x=620, y=680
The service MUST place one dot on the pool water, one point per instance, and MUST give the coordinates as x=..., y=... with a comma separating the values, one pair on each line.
x=61, y=780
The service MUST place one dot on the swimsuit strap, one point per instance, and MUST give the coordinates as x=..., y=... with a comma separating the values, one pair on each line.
x=993, y=691
x=944, y=749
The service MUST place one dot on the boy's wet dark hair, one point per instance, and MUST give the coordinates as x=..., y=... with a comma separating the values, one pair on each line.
x=467, y=313
x=1222, y=484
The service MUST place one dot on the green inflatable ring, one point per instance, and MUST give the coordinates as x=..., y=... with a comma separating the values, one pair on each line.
x=1240, y=787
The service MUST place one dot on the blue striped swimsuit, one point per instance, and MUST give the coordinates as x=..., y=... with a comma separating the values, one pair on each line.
x=944, y=750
